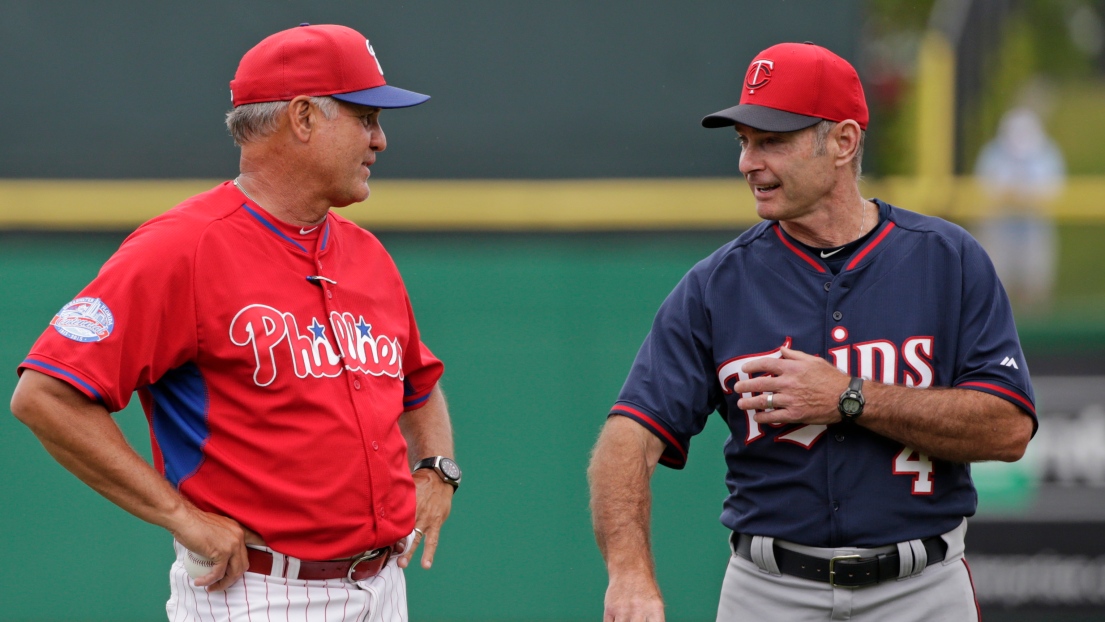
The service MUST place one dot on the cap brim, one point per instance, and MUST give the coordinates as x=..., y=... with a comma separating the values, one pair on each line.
x=383, y=97
x=760, y=118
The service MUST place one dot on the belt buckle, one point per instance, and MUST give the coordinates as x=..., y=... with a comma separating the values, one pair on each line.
x=364, y=557
x=832, y=570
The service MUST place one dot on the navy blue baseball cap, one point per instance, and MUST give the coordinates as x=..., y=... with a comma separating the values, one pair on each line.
x=317, y=60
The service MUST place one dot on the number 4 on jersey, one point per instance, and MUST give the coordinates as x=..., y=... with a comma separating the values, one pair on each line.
x=917, y=464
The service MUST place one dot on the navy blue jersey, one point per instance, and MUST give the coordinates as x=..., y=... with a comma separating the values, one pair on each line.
x=918, y=304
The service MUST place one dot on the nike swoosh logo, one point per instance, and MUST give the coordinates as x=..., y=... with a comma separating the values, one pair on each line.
x=825, y=255
x=306, y=231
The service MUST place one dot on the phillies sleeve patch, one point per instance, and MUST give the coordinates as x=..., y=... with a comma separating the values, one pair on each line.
x=84, y=320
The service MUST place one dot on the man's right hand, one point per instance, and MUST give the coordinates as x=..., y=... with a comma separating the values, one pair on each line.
x=633, y=601
x=218, y=538
x=84, y=438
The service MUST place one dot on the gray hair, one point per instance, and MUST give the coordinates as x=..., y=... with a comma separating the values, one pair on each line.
x=252, y=121
x=821, y=135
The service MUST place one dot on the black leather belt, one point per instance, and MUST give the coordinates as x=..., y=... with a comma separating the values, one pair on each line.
x=845, y=570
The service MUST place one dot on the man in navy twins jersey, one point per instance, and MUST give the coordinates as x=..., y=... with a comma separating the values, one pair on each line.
x=862, y=356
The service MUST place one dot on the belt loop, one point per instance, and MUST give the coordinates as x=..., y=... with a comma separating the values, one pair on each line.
x=763, y=554
x=277, y=564
x=905, y=560
x=292, y=570
x=920, y=557
x=954, y=540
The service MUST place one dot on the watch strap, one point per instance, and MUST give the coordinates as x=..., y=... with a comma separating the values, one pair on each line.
x=853, y=392
x=426, y=463
x=434, y=462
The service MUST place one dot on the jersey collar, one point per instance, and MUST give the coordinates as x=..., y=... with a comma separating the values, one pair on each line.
x=812, y=261
x=270, y=227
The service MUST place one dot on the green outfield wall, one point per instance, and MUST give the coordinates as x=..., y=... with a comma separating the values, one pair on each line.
x=537, y=332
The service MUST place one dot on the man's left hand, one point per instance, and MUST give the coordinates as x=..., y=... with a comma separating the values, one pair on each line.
x=804, y=389
x=435, y=500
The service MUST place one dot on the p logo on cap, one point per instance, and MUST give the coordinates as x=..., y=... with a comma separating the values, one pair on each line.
x=371, y=51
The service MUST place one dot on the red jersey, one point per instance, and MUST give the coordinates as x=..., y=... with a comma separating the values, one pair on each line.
x=272, y=368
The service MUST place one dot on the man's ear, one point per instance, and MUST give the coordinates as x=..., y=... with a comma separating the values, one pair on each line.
x=301, y=117
x=846, y=136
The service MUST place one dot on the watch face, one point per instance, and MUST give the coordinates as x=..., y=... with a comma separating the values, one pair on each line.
x=850, y=405
x=450, y=468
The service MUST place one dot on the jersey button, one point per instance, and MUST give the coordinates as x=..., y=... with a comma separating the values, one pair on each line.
x=840, y=438
x=329, y=294
x=357, y=385
x=375, y=446
x=836, y=507
x=828, y=285
x=320, y=265
x=837, y=315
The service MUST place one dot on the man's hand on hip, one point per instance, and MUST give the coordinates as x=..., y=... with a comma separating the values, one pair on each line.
x=220, y=539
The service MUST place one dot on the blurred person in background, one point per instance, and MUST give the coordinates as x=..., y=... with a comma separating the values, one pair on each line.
x=1022, y=172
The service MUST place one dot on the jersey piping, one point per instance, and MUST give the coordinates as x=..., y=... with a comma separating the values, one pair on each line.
x=273, y=228
x=989, y=388
x=658, y=429
x=810, y=260
x=325, y=236
x=867, y=249
x=412, y=399
x=276, y=230
x=817, y=265
x=50, y=370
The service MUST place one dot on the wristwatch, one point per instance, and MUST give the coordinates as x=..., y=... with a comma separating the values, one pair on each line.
x=851, y=401
x=445, y=467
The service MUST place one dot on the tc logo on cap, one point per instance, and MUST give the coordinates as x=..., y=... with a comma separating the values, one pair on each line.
x=759, y=74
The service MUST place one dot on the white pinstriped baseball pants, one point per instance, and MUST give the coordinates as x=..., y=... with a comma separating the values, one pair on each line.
x=261, y=598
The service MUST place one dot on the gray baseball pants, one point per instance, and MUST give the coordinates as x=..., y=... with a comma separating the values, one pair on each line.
x=755, y=591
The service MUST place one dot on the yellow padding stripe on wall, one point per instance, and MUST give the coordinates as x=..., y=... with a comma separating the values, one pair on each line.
x=608, y=204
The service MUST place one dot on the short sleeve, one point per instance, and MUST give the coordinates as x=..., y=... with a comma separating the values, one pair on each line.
x=990, y=358
x=135, y=321
x=421, y=368
x=671, y=389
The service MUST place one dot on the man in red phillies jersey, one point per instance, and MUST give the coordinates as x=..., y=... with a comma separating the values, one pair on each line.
x=862, y=357
x=275, y=352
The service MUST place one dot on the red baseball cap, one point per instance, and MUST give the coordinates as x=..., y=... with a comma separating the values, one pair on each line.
x=791, y=86
x=316, y=60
